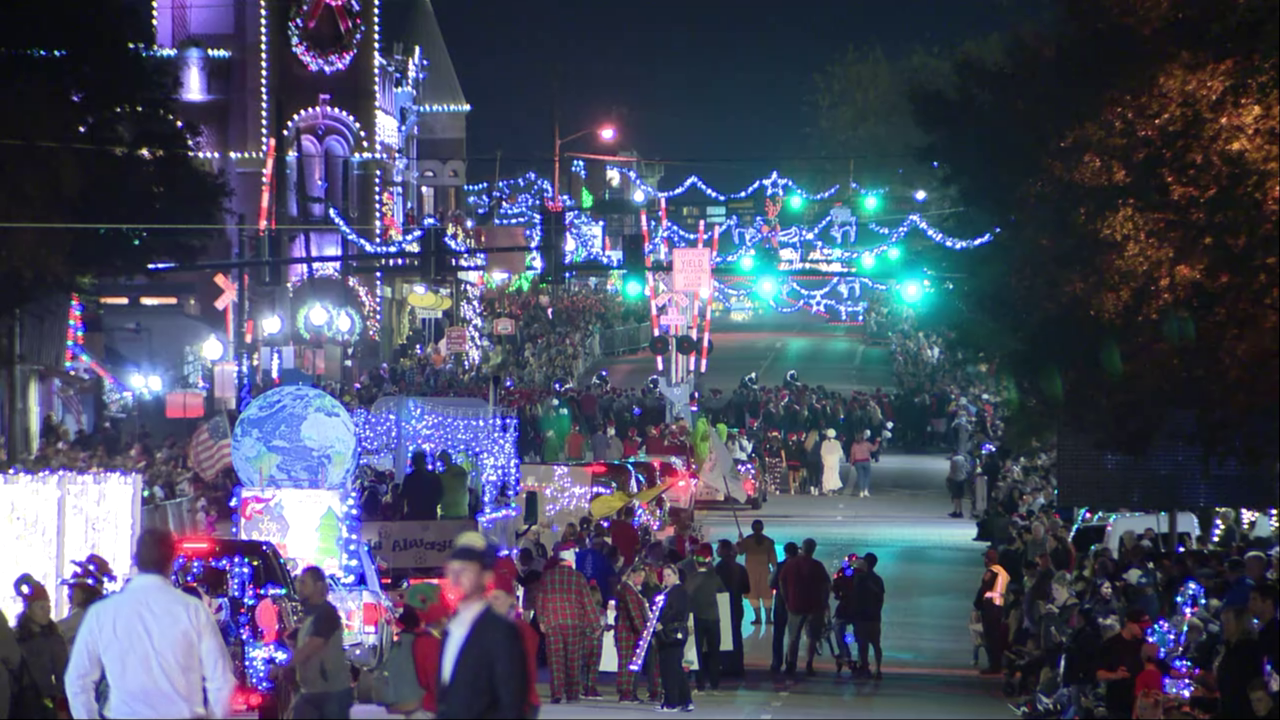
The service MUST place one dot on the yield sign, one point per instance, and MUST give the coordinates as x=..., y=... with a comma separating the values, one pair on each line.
x=229, y=291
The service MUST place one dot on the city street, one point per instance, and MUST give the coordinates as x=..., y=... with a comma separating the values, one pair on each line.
x=830, y=355
x=931, y=569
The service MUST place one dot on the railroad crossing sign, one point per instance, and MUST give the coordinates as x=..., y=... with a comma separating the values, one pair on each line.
x=668, y=298
x=230, y=291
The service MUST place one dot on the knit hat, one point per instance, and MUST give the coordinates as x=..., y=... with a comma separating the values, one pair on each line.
x=703, y=554
x=30, y=589
x=471, y=546
x=435, y=613
x=422, y=595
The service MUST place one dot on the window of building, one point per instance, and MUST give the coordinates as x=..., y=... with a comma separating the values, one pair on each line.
x=427, y=200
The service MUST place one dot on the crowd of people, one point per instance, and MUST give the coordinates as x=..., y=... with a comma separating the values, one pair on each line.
x=555, y=340
x=1141, y=632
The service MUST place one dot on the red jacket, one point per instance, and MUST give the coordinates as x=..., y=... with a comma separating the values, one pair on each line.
x=426, y=660
x=804, y=584
x=623, y=535
x=530, y=637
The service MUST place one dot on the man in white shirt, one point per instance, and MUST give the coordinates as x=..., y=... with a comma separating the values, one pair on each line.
x=159, y=649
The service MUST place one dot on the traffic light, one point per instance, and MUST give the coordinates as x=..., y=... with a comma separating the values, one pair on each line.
x=271, y=249
x=633, y=253
x=633, y=279
x=911, y=291
x=747, y=263
x=767, y=287
x=894, y=252
x=867, y=260
x=632, y=287
x=433, y=263
x=551, y=248
x=871, y=203
x=795, y=202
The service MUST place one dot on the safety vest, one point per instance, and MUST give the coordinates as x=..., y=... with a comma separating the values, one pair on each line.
x=996, y=593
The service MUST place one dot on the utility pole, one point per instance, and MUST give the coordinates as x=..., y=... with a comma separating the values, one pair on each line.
x=14, y=444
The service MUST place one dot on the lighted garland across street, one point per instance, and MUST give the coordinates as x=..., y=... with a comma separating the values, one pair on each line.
x=829, y=242
x=458, y=237
x=487, y=443
x=304, y=18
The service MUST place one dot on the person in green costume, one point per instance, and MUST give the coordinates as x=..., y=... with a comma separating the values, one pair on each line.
x=723, y=431
x=454, y=479
x=552, y=449
x=701, y=441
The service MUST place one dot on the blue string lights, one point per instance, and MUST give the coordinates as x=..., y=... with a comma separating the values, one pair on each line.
x=239, y=621
x=482, y=441
x=831, y=243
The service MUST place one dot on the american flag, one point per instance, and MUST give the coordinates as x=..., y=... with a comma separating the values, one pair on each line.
x=71, y=405
x=211, y=447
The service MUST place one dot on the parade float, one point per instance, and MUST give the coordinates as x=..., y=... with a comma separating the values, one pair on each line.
x=295, y=451
x=50, y=519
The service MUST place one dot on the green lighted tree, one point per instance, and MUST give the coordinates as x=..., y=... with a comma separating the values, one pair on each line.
x=328, y=537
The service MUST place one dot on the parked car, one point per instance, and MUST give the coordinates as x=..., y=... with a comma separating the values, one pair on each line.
x=1106, y=529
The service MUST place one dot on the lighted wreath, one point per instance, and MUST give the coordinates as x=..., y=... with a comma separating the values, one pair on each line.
x=302, y=31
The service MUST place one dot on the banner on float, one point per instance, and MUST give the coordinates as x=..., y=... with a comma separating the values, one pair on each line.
x=414, y=545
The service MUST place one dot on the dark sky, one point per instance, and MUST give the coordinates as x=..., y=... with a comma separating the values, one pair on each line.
x=721, y=84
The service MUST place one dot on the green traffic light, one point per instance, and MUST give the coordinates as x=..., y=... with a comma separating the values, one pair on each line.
x=894, y=253
x=911, y=291
x=632, y=288
x=870, y=203
x=767, y=287
x=796, y=202
x=868, y=261
x=748, y=262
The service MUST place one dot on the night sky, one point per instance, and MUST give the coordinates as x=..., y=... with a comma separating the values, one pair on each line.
x=721, y=85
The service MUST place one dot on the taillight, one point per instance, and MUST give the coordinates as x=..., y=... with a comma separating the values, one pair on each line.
x=195, y=546
x=372, y=616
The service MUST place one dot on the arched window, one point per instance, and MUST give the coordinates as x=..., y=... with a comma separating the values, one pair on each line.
x=336, y=153
x=311, y=188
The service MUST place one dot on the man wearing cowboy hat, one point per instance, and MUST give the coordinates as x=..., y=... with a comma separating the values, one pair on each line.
x=86, y=586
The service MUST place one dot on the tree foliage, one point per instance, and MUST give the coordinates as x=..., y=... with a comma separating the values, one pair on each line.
x=1131, y=159
x=99, y=177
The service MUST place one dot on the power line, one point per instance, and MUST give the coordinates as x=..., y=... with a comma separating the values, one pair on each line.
x=505, y=157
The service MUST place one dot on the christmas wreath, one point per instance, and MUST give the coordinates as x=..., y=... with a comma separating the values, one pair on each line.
x=330, y=60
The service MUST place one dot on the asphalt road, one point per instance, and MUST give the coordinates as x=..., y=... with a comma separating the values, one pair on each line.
x=931, y=568
x=821, y=354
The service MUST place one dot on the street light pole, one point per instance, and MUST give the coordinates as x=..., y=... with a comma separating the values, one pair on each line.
x=555, y=177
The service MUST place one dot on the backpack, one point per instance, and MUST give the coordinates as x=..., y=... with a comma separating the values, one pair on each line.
x=395, y=685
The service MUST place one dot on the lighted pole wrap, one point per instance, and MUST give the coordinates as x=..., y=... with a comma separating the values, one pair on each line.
x=706, y=328
x=649, y=282
x=697, y=297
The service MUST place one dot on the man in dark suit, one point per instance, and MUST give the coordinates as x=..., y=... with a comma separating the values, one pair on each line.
x=482, y=664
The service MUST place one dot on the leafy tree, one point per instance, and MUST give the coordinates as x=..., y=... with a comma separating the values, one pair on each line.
x=1130, y=158
x=100, y=179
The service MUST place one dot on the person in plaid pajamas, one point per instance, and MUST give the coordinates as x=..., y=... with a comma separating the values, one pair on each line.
x=564, y=609
x=593, y=647
x=630, y=618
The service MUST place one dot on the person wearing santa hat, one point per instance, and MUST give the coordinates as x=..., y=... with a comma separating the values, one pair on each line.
x=43, y=647
x=630, y=446
x=502, y=598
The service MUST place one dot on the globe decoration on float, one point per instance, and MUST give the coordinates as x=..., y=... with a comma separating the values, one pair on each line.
x=295, y=434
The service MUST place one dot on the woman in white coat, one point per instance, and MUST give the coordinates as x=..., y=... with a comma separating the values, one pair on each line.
x=832, y=457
